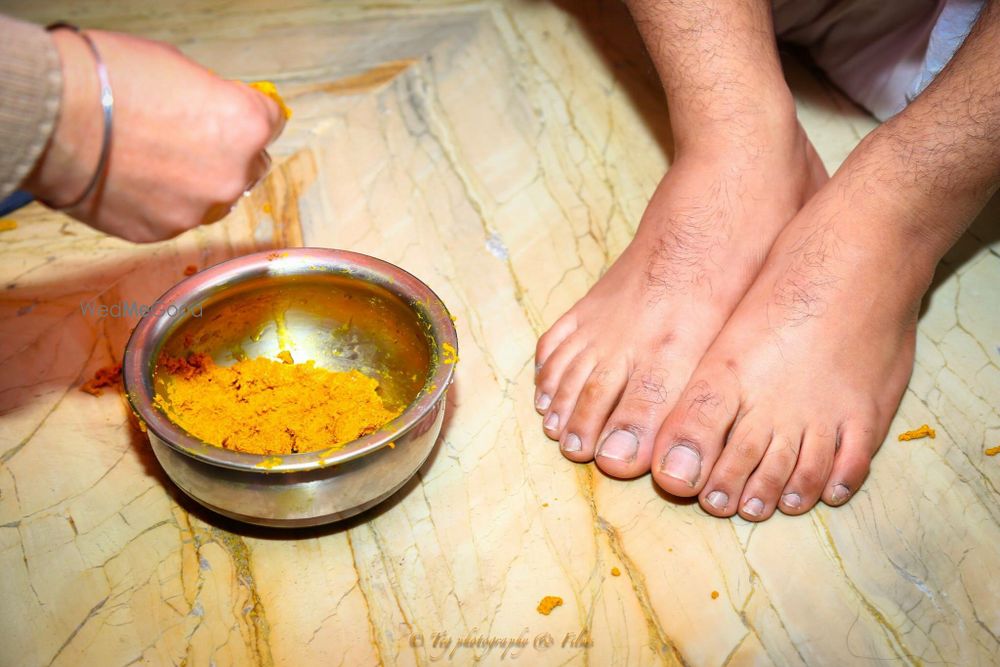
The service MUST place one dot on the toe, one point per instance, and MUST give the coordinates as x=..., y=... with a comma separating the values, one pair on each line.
x=763, y=490
x=851, y=464
x=549, y=377
x=564, y=401
x=743, y=452
x=596, y=400
x=550, y=341
x=626, y=443
x=812, y=470
x=692, y=436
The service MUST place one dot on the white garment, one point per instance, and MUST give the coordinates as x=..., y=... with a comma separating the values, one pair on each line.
x=882, y=53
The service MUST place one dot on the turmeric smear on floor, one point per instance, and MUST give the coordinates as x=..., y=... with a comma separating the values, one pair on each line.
x=262, y=406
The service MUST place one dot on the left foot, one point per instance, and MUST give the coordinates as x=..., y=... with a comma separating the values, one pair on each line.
x=796, y=394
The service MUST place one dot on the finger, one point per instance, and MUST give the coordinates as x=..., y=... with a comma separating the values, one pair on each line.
x=257, y=171
x=277, y=112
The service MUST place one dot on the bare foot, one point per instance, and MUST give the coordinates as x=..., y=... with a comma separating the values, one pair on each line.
x=611, y=368
x=794, y=397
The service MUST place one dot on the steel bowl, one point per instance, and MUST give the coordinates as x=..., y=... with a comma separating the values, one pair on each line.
x=341, y=309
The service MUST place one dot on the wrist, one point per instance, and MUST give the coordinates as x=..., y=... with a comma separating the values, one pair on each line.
x=67, y=163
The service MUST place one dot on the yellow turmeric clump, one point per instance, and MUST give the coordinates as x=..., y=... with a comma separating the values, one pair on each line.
x=924, y=431
x=993, y=451
x=548, y=603
x=615, y=572
x=261, y=406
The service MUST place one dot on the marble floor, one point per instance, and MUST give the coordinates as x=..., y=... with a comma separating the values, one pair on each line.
x=503, y=152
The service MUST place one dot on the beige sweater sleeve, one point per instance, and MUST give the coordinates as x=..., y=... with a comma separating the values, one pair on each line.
x=30, y=90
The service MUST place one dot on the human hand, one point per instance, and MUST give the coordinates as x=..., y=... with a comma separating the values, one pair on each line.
x=185, y=145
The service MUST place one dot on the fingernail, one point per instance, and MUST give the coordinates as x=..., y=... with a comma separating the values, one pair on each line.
x=792, y=500
x=683, y=463
x=538, y=368
x=552, y=421
x=754, y=507
x=543, y=402
x=619, y=446
x=840, y=493
x=718, y=500
x=571, y=443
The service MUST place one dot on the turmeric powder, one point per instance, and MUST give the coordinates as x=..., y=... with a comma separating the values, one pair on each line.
x=262, y=406
x=993, y=451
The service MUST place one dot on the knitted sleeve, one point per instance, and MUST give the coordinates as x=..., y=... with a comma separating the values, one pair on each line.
x=30, y=91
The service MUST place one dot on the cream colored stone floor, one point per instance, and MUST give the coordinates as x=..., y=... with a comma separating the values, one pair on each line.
x=503, y=152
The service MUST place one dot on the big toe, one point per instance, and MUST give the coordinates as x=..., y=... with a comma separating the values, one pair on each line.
x=625, y=446
x=693, y=434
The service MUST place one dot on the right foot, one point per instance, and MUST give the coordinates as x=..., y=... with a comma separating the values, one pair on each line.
x=612, y=367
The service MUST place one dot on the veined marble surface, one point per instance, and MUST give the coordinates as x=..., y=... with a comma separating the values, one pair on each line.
x=503, y=152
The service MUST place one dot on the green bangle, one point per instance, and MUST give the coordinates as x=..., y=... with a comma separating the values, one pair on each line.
x=107, y=107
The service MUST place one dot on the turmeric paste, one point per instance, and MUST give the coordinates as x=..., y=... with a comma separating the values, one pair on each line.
x=993, y=451
x=924, y=431
x=548, y=603
x=109, y=376
x=262, y=406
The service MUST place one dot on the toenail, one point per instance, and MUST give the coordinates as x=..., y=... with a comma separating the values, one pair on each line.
x=718, y=500
x=683, y=463
x=543, y=401
x=552, y=421
x=619, y=446
x=571, y=443
x=840, y=493
x=792, y=500
x=753, y=507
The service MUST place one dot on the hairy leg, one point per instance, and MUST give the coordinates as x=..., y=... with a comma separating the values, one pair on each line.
x=794, y=397
x=612, y=367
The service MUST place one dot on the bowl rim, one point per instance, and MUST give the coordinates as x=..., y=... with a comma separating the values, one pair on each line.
x=150, y=332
